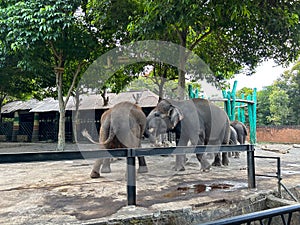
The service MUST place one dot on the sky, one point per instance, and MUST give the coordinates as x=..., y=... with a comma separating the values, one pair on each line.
x=265, y=74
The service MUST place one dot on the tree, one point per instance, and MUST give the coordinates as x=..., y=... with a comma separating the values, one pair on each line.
x=52, y=26
x=263, y=105
x=289, y=81
x=18, y=83
x=229, y=35
x=279, y=109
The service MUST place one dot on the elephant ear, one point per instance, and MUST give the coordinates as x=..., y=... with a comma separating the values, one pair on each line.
x=175, y=115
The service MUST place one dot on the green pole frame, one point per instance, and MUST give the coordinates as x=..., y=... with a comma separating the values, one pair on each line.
x=252, y=116
x=232, y=103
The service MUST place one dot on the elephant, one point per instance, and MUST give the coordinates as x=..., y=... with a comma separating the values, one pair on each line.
x=122, y=126
x=154, y=127
x=241, y=131
x=233, y=136
x=233, y=141
x=197, y=121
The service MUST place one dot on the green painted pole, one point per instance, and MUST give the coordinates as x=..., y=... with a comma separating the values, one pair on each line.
x=254, y=99
x=232, y=102
x=228, y=105
x=191, y=94
x=243, y=119
x=252, y=116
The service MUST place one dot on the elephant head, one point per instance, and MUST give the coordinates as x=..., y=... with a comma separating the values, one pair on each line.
x=155, y=126
x=166, y=110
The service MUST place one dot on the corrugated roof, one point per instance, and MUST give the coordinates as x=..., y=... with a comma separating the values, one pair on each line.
x=46, y=105
x=146, y=99
x=18, y=106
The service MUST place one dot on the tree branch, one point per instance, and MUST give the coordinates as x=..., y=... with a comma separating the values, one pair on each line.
x=74, y=81
x=200, y=39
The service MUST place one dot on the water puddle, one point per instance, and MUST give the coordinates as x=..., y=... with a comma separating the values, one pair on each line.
x=197, y=188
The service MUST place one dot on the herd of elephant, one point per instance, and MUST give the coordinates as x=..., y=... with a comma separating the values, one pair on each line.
x=194, y=122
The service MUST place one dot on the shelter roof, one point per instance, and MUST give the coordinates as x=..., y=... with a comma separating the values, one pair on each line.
x=143, y=98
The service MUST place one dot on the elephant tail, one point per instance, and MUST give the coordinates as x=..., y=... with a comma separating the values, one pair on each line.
x=86, y=134
x=107, y=132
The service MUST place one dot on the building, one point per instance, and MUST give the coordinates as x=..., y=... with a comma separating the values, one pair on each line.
x=35, y=120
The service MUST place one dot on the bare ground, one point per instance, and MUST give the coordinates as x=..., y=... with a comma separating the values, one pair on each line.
x=62, y=192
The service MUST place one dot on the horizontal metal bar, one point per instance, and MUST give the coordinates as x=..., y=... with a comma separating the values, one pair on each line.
x=225, y=100
x=58, y=156
x=113, y=153
x=267, y=157
x=262, y=175
x=192, y=149
x=256, y=215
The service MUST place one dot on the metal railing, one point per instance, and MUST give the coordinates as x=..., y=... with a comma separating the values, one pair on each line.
x=130, y=154
x=264, y=217
x=278, y=176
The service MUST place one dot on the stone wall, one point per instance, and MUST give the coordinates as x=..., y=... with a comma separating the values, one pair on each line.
x=280, y=134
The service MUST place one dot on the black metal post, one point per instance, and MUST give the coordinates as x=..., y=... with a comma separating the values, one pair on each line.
x=131, y=181
x=251, y=167
x=279, y=176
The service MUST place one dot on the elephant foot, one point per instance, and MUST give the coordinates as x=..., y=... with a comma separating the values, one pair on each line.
x=206, y=168
x=105, y=170
x=179, y=168
x=143, y=169
x=225, y=161
x=94, y=174
x=216, y=163
x=237, y=155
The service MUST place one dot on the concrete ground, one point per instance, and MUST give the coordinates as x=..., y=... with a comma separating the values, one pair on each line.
x=62, y=192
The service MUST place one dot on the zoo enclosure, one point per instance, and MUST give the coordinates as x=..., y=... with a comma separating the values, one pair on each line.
x=130, y=155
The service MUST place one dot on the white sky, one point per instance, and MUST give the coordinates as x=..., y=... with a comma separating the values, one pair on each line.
x=265, y=74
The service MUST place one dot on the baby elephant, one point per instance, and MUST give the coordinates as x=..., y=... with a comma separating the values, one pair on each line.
x=122, y=126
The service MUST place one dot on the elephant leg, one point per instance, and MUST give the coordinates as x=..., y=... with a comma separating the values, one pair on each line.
x=217, y=161
x=142, y=165
x=180, y=162
x=106, y=166
x=225, y=160
x=205, y=165
x=237, y=155
x=95, y=171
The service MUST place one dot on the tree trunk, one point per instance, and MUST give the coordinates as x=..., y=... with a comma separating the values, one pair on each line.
x=61, y=130
x=75, y=116
x=181, y=69
x=62, y=111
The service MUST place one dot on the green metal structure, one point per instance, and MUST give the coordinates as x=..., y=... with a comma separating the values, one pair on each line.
x=234, y=106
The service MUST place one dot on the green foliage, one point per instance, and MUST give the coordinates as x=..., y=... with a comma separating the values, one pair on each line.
x=279, y=109
x=227, y=35
x=263, y=106
x=278, y=104
x=290, y=83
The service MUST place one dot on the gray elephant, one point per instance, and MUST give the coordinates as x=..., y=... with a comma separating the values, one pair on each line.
x=197, y=121
x=233, y=136
x=233, y=141
x=122, y=126
x=241, y=132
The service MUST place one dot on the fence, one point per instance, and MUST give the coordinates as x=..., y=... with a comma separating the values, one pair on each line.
x=130, y=154
x=264, y=217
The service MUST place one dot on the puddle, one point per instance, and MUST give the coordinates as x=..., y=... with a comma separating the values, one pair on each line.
x=197, y=188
